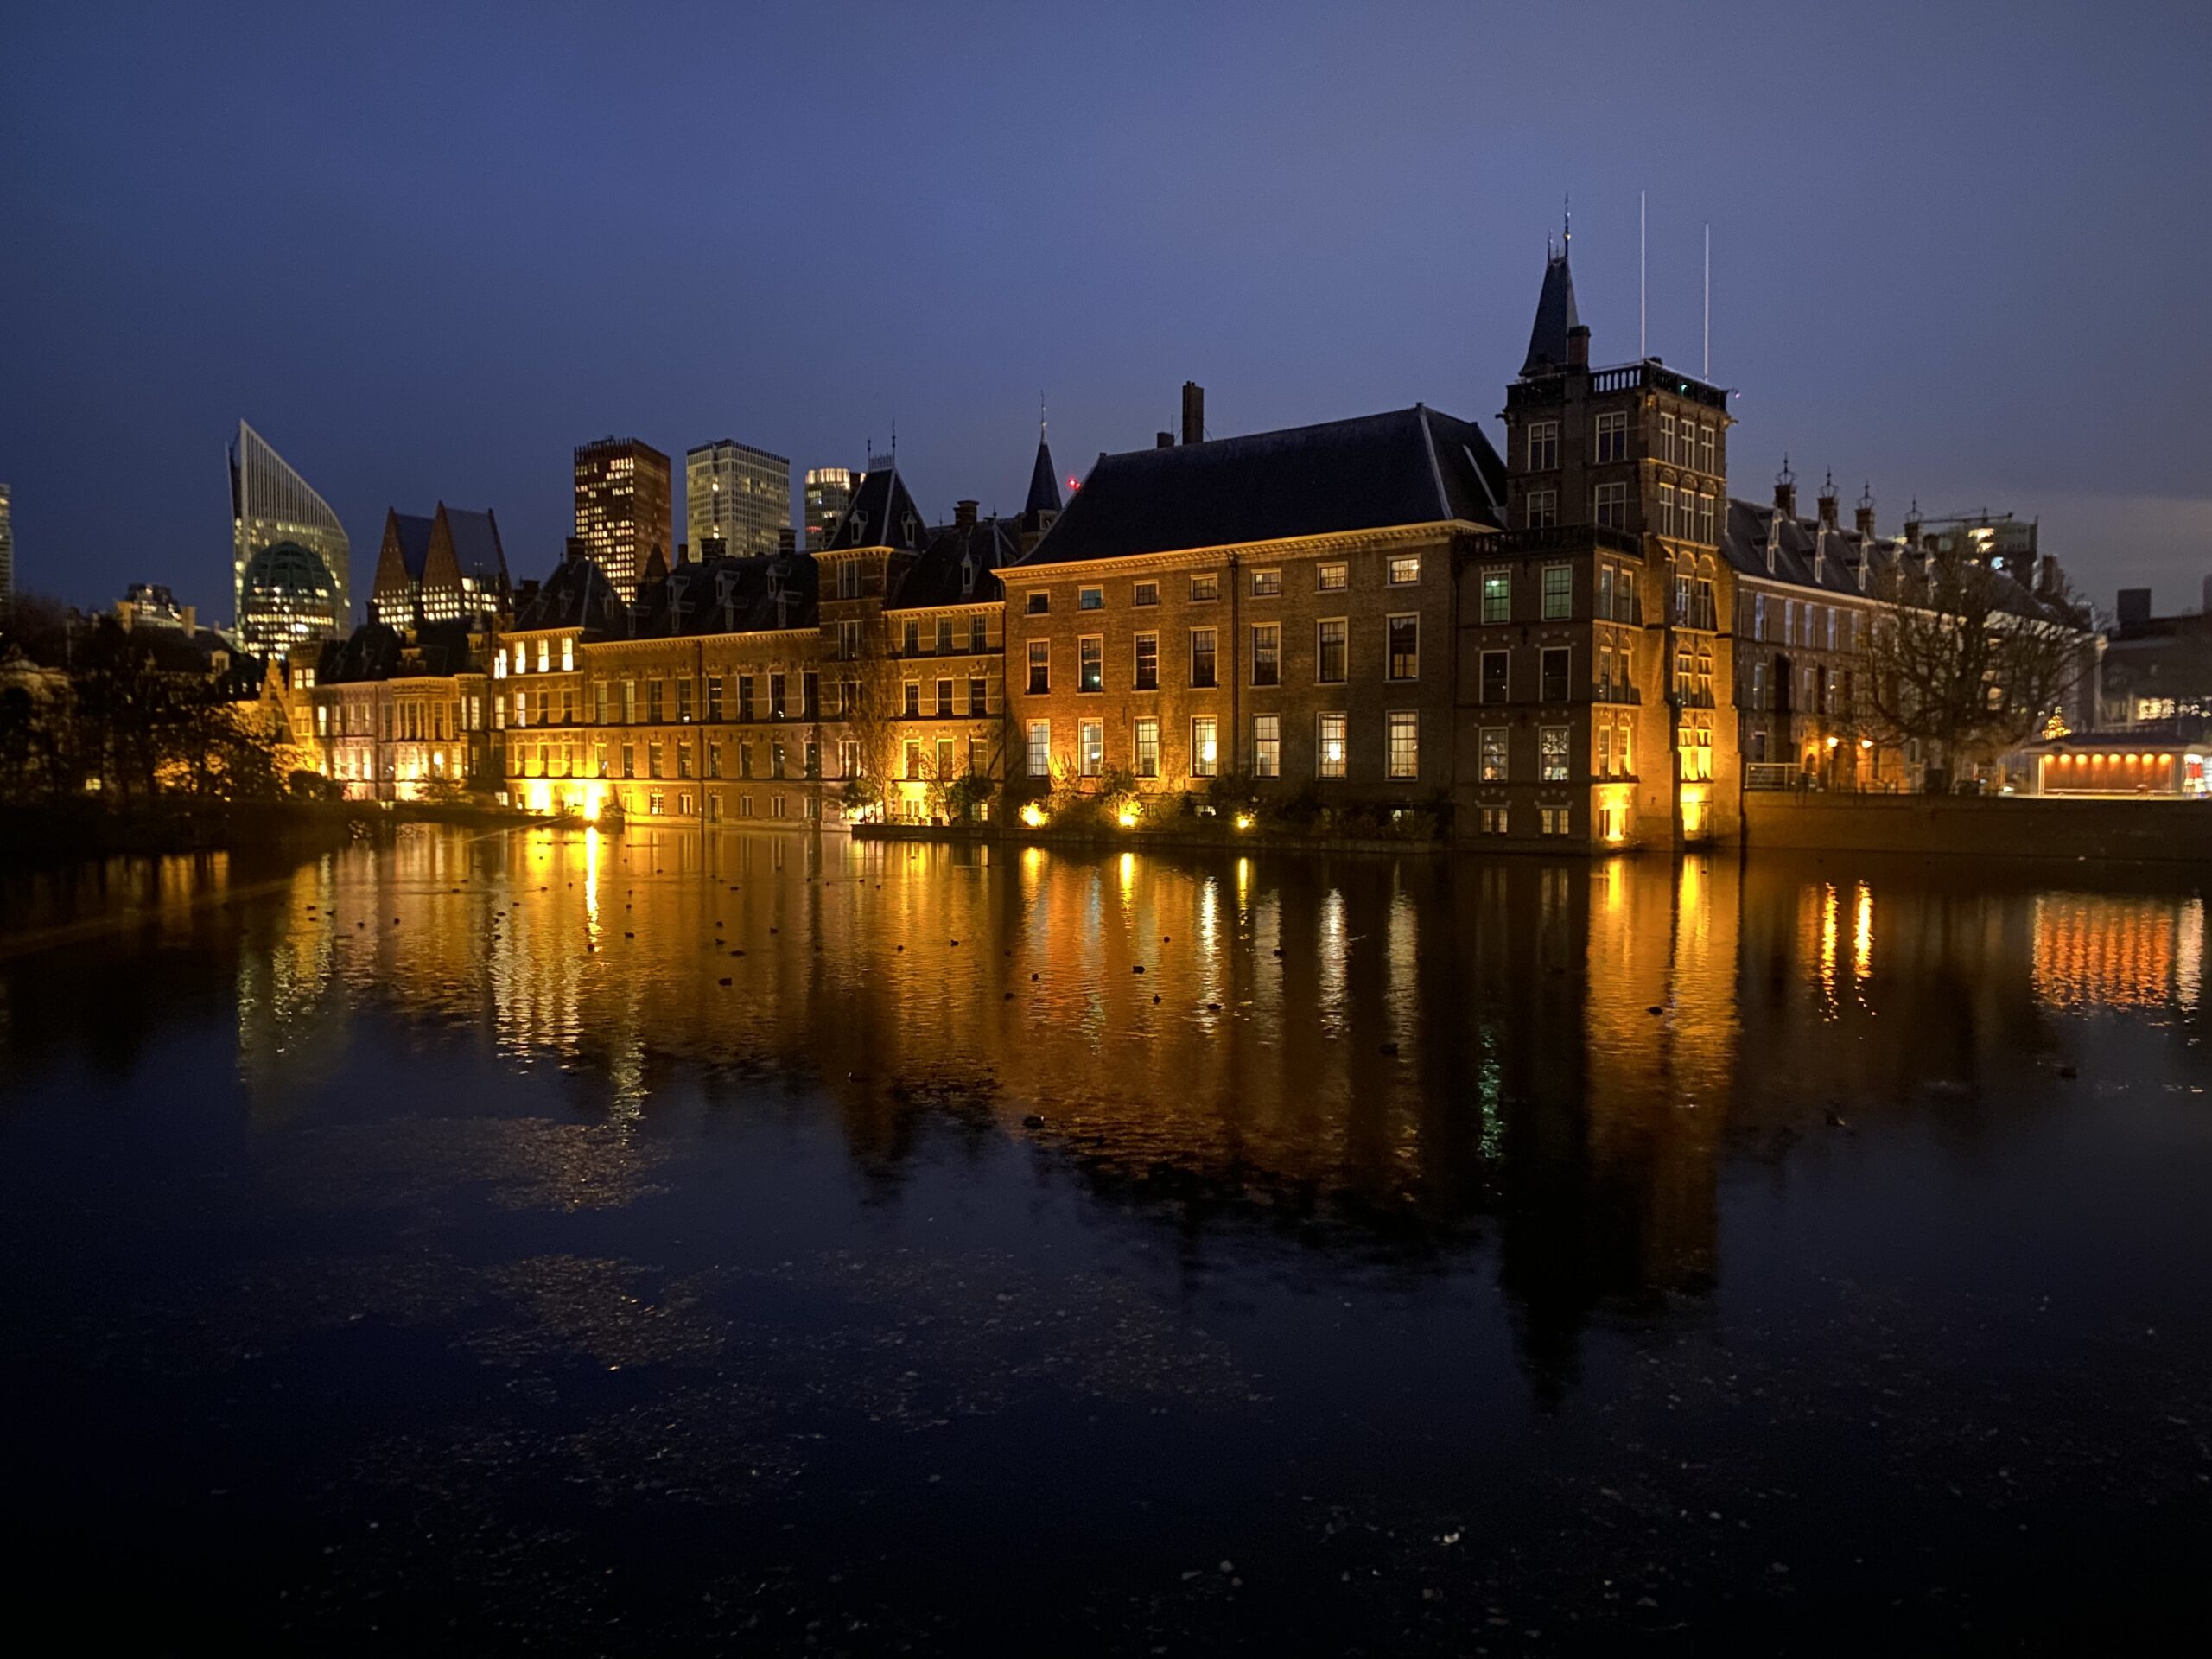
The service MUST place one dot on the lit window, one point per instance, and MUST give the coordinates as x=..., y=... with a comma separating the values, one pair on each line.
x=1331, y=578
x=1146, y=593
x=1091, y=664
x=1090, y=746
x=1267, y=746
x=1205, y=755
x=1558, y=593
x=1206, y=587
x=1404, y=750
x=1147, y=735
x=1405, y=569
x=1332, y=734
x=1040, y=748
x=1266, y=584
x=1551, y=754
x=1497, y=596
x=1493, y=754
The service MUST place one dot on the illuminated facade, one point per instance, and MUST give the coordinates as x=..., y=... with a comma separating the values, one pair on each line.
x=446, y=568
x=396, y=717
x=270, y=504
x=738, y=495
x=624, y=508
x=829, y=492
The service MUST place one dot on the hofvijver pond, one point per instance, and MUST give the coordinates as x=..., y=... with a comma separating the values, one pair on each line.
x=643, y=1245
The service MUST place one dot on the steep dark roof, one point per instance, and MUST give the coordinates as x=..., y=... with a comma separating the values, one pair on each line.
x=883, y=514
x=412, y=531
x=1554, y=316
x=1044, y=490
x=730, y=594
x=1408, y=466
x=371, y=651
x=576, y=595
x=959, y=567
x=476, y=547
x=1803, y=558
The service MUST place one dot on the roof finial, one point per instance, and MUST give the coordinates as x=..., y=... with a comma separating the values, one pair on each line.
x=895, y=443
x=1866, y=493
x=1785, y=476
x=1040, y=417
x=1567, y=223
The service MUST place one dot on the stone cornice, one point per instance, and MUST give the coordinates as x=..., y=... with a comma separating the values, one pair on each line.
x=1348, y=541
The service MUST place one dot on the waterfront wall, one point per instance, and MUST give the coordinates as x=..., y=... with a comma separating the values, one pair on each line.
x=1999, y=826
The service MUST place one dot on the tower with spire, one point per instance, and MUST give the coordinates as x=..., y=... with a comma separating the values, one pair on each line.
x=1042, y=506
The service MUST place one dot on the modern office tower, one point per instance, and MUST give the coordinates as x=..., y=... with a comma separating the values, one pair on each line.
x=829, y=492
x=624, y=506
x=7, y=556
x=441, y=568
x=271, y=505
x=286, y=598
x=739, y=493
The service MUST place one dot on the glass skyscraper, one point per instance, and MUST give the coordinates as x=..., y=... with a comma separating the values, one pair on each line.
x=737, y=492
x=624, y=502
x=829, y=492
x=272, y=506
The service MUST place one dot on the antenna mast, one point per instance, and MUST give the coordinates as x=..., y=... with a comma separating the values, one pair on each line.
x=1705, y=372
x=1642, y=345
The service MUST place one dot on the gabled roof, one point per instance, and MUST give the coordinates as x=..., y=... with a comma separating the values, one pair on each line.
x=1555, y=314
x=1408, y=466
x=960, y=567
x=1044, y=490
x=409, y=534
x=576, y=595
x=883, y=514
x=476, y=549
x=730, y=594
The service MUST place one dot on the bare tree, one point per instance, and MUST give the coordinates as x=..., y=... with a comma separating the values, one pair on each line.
x=1966, y=662
x=873, y=706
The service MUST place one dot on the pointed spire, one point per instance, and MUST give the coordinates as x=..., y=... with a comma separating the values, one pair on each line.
x=1043, y=502
x=1555, y=316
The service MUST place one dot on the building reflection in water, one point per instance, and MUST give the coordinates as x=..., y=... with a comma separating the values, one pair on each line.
x=1423, y=1058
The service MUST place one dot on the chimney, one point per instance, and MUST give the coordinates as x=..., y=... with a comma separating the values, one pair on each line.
x=192, y=617
x=1785, y=491
x=1912, y=524
x=1163, y=441
x=963, y=515
x=1827, y=502
x=1866, y=513
x=1578, y=346
x=683, y=552
x=1194, y=412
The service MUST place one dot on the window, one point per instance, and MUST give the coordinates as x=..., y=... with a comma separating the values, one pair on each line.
x=1329, y=637
x=1206, y=587
x=778, y=806
x=1492, y=753
x=1558, y=593
x=1148, y=663
x=1552, y=820
x=1090, y=598
x=944, y=636
x=1404, y=569
x=1613, y=436
x=1494, y=676
x=1404, y=657
x=1040, y=666
x=1551, y=754
x=567, y=654
x=979, y=695
x=1040, y=602
x=1540, y=509
x=1331, y=578
x=1624, y=751
x=653, y=703
x=1404, y=744
x=1267, y=746
x=657, y=803
x=848, y=758
x=944, y=698
x=1202, y=656
x=684, y=759
x=1758, y=685
x=775, y=696
x=1608, y=506
x=1705, y=452
x=1552, y=679
x=1040, y=748
x=1667, y=438
x=1625, y=608
x=744, y=802
x=713, y=699
x=911, y=705
x=1091, y=746
x=1205, y=755
x=544, y=656
x=714, y=759
x=522, y=711
x=1331, y=735
x=1148, y=736
x=1606, y=750
x=1497, y=596
x=1543, y=446
x=744, y=696
x=913, y=646
x=1493, y=820
x=1146, y=593
x=1267, y=653
x=1705, y=517
x=1091, y=663
x=1266, y=584
x=1667, y=509
x=979, y=634
x=653, y=760
x=683, y=702
x=849, y=640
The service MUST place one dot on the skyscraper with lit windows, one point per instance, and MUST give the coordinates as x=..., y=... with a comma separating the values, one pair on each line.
x=738, y=493
x=273, y=507
x=625, y=504
x=829, y=492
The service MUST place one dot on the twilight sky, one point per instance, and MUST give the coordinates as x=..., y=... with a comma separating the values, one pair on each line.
x=1959, y=250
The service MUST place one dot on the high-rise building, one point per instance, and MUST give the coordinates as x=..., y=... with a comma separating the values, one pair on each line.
x=829, y=492
x=7, y=556
x=271, y=505
x=739, y=493
x=624, y=506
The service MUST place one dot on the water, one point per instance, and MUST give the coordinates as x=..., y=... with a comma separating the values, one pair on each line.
x=635, y=1245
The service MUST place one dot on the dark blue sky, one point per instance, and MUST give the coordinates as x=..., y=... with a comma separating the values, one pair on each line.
x=1959, y=250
